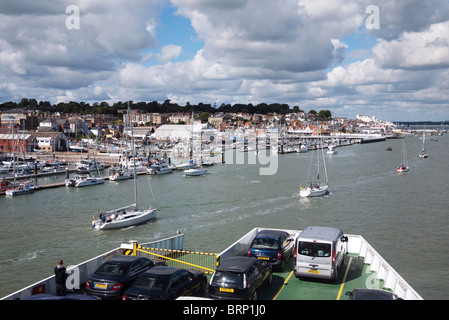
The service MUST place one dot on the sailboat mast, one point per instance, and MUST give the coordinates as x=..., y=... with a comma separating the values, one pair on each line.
x=134, y=156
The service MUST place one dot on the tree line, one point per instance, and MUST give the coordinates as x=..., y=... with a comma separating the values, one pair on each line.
x=155, y=107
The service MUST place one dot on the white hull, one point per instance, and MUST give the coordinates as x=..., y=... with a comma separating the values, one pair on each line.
x=195, y=172
x=314, y=192
x=126, y=219
x=80, y=181
x=185, y=166
x=19, y=191
x=121, y=176
x=156, y=170
x=402, y=169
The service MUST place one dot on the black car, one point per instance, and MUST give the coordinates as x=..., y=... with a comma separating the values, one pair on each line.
x=273, y=246
x=371, y=294
x=114, y=276
x=167, y=283
x=240, y=278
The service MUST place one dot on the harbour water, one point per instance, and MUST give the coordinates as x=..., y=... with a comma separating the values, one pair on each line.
x=403, y=216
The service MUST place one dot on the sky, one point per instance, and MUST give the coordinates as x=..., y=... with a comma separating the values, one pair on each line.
x=388, y=59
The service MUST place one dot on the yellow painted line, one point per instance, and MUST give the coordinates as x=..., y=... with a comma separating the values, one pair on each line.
x=283, y=285
x=344, y=279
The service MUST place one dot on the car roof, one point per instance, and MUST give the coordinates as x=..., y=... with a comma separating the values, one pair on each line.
x=320, y=233
x=124, y=259
x=270, y=234
x=162, y=271
x=237, y=264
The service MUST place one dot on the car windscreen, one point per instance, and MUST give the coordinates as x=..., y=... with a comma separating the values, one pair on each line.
x=231, y=279
x=151, y=283
x=112, y=269
x=314, y=249
x=265, y=244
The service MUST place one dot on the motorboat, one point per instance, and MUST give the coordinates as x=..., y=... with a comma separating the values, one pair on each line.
x=83, y=181
x=198, y=171
x=402, y=168
x=158, y=168
x=85, y=166
x=23, y=188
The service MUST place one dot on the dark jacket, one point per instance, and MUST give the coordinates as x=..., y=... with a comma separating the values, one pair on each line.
x=60, y=275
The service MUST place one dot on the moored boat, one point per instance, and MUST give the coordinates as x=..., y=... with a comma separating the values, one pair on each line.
x=198, y=171
x=158, y=168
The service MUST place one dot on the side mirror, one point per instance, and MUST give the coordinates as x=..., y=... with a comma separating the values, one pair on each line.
x=344, y=238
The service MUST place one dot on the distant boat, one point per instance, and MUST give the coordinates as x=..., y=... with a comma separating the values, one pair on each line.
x=159, y=168
x=404, y=165
x=84, y=166
x=126, y=216
x=83, y=181
x=331, y=149
x=316, y=189
x=423, y=153
x=23, y=188
x=198, y=171
x=389, y=149
x=186, y=165
x=120, y=174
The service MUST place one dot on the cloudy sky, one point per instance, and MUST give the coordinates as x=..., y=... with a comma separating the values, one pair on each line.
x=317, y=54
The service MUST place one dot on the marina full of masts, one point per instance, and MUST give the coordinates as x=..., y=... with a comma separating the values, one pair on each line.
x=199, y=143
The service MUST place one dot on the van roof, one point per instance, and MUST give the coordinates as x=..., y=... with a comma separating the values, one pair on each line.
x=321, y=233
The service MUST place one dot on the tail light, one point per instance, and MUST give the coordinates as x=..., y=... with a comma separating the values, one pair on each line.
x=117, y=287
x=294, y=253
x=249, y=252
x=279, y=255
x=244, y=281
x=87, y=284
x=333, y=256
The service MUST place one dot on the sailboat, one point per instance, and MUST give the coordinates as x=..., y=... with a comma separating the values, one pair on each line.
x=423, y=153
x=404, y=165
x=126, y=216
x=316, y=189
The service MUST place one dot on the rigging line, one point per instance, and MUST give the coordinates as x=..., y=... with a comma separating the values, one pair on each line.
x=151, y=189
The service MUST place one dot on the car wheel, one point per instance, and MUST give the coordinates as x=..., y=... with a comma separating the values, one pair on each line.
x=270, y=279
x=282, y=266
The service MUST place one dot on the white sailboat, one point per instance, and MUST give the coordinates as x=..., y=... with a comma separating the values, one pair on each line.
x=198, y=171
x=423, y=153
x=126, y=216
x=317, y=189
x=403, y=167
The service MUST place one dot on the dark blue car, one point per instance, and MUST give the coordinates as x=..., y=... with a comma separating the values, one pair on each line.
x=272, y=246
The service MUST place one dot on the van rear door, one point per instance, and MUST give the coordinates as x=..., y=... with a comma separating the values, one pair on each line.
x=314, y=259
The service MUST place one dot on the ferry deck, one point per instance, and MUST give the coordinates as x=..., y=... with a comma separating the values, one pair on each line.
x=363, y=267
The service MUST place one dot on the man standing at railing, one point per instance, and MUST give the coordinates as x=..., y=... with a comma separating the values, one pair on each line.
x=60, y=278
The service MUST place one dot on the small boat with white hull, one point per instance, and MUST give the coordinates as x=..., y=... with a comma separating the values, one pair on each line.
x=158, y=168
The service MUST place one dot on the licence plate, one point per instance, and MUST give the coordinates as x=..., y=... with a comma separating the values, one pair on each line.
x=101, y=285
x=313, y=271
x=226, y=290
x=263, y=258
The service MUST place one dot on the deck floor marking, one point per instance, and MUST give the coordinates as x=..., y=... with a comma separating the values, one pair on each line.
x=344, y=278
x=283, y=285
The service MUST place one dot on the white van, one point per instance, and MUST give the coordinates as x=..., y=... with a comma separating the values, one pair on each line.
x=319, y=252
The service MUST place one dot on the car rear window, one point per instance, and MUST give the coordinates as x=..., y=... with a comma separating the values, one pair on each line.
x=151, y=283
x=264, y=244
x=314, y=249
x=112, y=269
x=228, y=278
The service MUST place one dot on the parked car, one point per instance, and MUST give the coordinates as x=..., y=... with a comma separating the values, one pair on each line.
x=240, y=277
x=371, y=294
x=114, y=276
x=273, y=246
x=166, y=283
